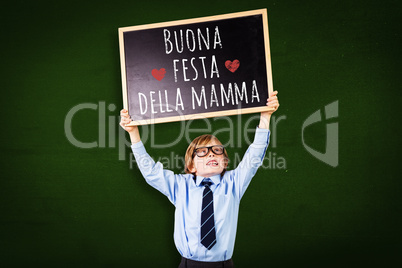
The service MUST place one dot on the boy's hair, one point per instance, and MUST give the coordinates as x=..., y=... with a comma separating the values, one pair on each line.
x=199, y=142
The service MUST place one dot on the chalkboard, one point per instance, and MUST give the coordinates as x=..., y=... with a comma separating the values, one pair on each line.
x=196, y=68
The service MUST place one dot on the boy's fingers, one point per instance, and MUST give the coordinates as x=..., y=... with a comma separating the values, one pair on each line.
x=274, y=103
x=124, y=116
x=124, y=112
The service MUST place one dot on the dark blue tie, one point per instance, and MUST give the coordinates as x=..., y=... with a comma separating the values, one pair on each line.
x=208, y=237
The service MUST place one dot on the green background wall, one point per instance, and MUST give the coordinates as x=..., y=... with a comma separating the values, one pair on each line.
x=65, y=206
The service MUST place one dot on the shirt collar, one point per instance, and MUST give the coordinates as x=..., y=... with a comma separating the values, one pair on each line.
x=216, y=179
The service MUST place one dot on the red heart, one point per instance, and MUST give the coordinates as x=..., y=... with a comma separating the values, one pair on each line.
x=158, y=75
x=232, y=66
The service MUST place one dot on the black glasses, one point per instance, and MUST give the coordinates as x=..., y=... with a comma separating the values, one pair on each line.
x=203, y=151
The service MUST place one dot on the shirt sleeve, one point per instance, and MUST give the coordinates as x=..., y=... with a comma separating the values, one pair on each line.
x=251, y=161
x=161, y=179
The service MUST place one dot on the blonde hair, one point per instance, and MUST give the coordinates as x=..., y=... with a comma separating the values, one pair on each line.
x=199, y=142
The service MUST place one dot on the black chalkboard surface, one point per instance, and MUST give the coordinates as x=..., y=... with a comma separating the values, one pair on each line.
x=196, y=68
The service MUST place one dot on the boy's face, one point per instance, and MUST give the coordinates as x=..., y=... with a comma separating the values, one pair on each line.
x=210, y=164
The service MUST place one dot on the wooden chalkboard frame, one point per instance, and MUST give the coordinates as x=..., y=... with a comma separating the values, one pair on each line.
x=261, y=108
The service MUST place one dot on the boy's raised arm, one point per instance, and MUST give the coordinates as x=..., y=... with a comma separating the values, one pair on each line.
x=161, y=179
x=132, y=130
x=273, y=103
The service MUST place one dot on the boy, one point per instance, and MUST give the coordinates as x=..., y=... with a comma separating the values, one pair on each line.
x=207, y=198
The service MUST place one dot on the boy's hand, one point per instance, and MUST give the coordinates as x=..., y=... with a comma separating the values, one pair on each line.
x=273, y=104
x=132, y=130
x=124, y=120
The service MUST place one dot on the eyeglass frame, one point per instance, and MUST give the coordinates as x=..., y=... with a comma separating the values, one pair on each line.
x=209, y=150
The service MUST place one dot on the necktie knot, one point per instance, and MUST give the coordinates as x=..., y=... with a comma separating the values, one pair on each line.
x=206, y=182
